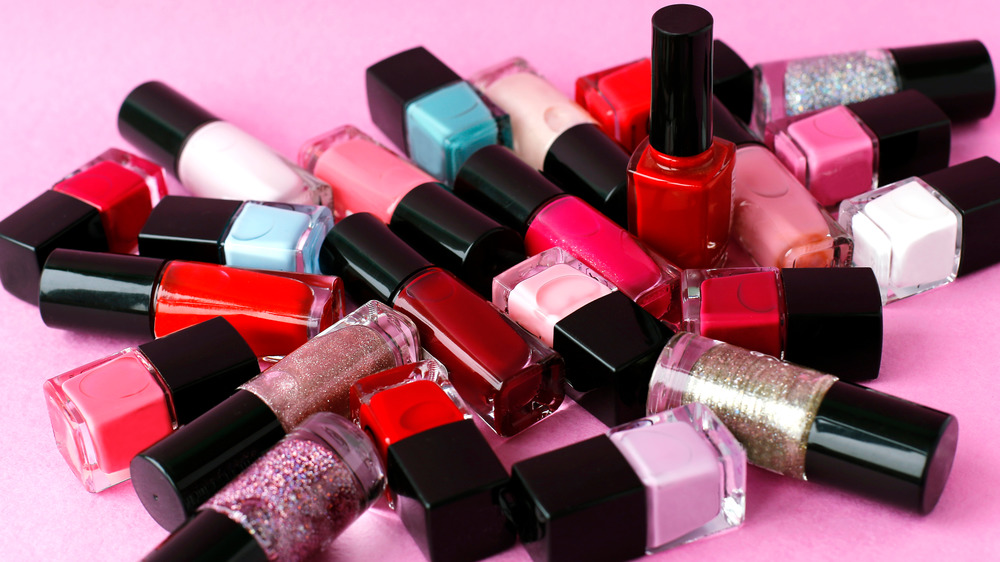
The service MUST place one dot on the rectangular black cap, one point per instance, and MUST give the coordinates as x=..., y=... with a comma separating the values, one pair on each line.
x=188, y=228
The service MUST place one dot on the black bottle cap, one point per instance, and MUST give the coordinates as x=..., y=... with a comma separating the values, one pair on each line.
x=881, y=446
x=450, y=508
x=680, y=111
x=202, y=365
x=208, y=537
x=394, y=82
x=188, y=228
x=833, y=320
x=732, y=81
x=373, y=262
x=498, y=183
x=591, y=165
x=184, y=469
x=914, y=135
x=158, y=120
x=456, y=236
x=27, y=237
x=729, y=127
x=958, y=76
x=580, y=502
x=97, y=291
x=973, y=188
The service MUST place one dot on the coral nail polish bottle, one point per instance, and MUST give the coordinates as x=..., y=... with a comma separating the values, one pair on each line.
x=275, y=312
x=106, y=412
x=680, y=182
x=99, y=207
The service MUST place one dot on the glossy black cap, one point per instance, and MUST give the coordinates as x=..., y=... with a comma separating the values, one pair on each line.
x=101, y=292
x=184, y=469
x=158, y=120
x=394, y=82
x=680, y=111
x=202, y=365
x=958, y=76
x=455, y=236
x=27, y=237
x=881, y=446
x=973, y=188
x=451, y=507
x=833, y=320
x=373, y=262
x=732, y=81
x=729, y=127
x=914, y=135
x=580, y=502
x=188, y=228
x=209, y=537
x=506, y=188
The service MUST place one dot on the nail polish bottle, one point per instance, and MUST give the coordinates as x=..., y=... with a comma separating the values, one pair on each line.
x=495, y=181
x=957, y=76
x=105, y=412
x=420, y=427
x=558, y=137
x=211, y=157
x=368, y=177
x=180, y=472
x=99, y=207
x=148, y=297
x=289, y=503
x=809, y=425
x=828, y=319
x=680, y=181
x=775, y=218
x=506, y=376
x=923, y=232
x=430, y=113
x=251, y=234
x=644, y=487
x=847, y=150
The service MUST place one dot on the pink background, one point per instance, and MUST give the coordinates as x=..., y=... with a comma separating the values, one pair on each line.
x=288, y=71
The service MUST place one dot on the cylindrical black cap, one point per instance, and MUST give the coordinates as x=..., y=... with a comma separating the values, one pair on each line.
x=184, y=469
x=373, y=262
x=881, y=446
x=680, y=111
x=914, y=135
x=732, y=81
x=591, y=165
x=456, y=236
x=973, y=187
x=833, y=320
x=729, y=127
x=209, y=537
x=394, y=82
x=957, y=76
x=158, y=120
x=97, y=291
x=498, y=183
x=188, y=228
x=202, y=365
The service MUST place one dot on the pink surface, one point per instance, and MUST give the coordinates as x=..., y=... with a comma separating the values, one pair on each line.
x=289, y=71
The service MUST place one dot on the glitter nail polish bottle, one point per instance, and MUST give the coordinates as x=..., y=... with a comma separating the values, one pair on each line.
x=300, y=495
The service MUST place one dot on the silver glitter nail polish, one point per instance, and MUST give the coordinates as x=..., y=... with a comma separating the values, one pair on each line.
x=819, y=82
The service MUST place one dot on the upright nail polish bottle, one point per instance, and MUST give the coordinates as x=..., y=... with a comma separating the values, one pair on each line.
x=420, y=427
x=99, y=207
x=275, y=312
x=327, y=474
x=558, y=137
x=251, y=234
x=495, y=181
x=176, y=475
x=505, y=375
x=957, y=76
x=211, y=157
x=427, y=110
x=106, y=412
x=809, y=425
x=925, y=231
x=680, y=181
x=644, y=487
x=847, y=150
